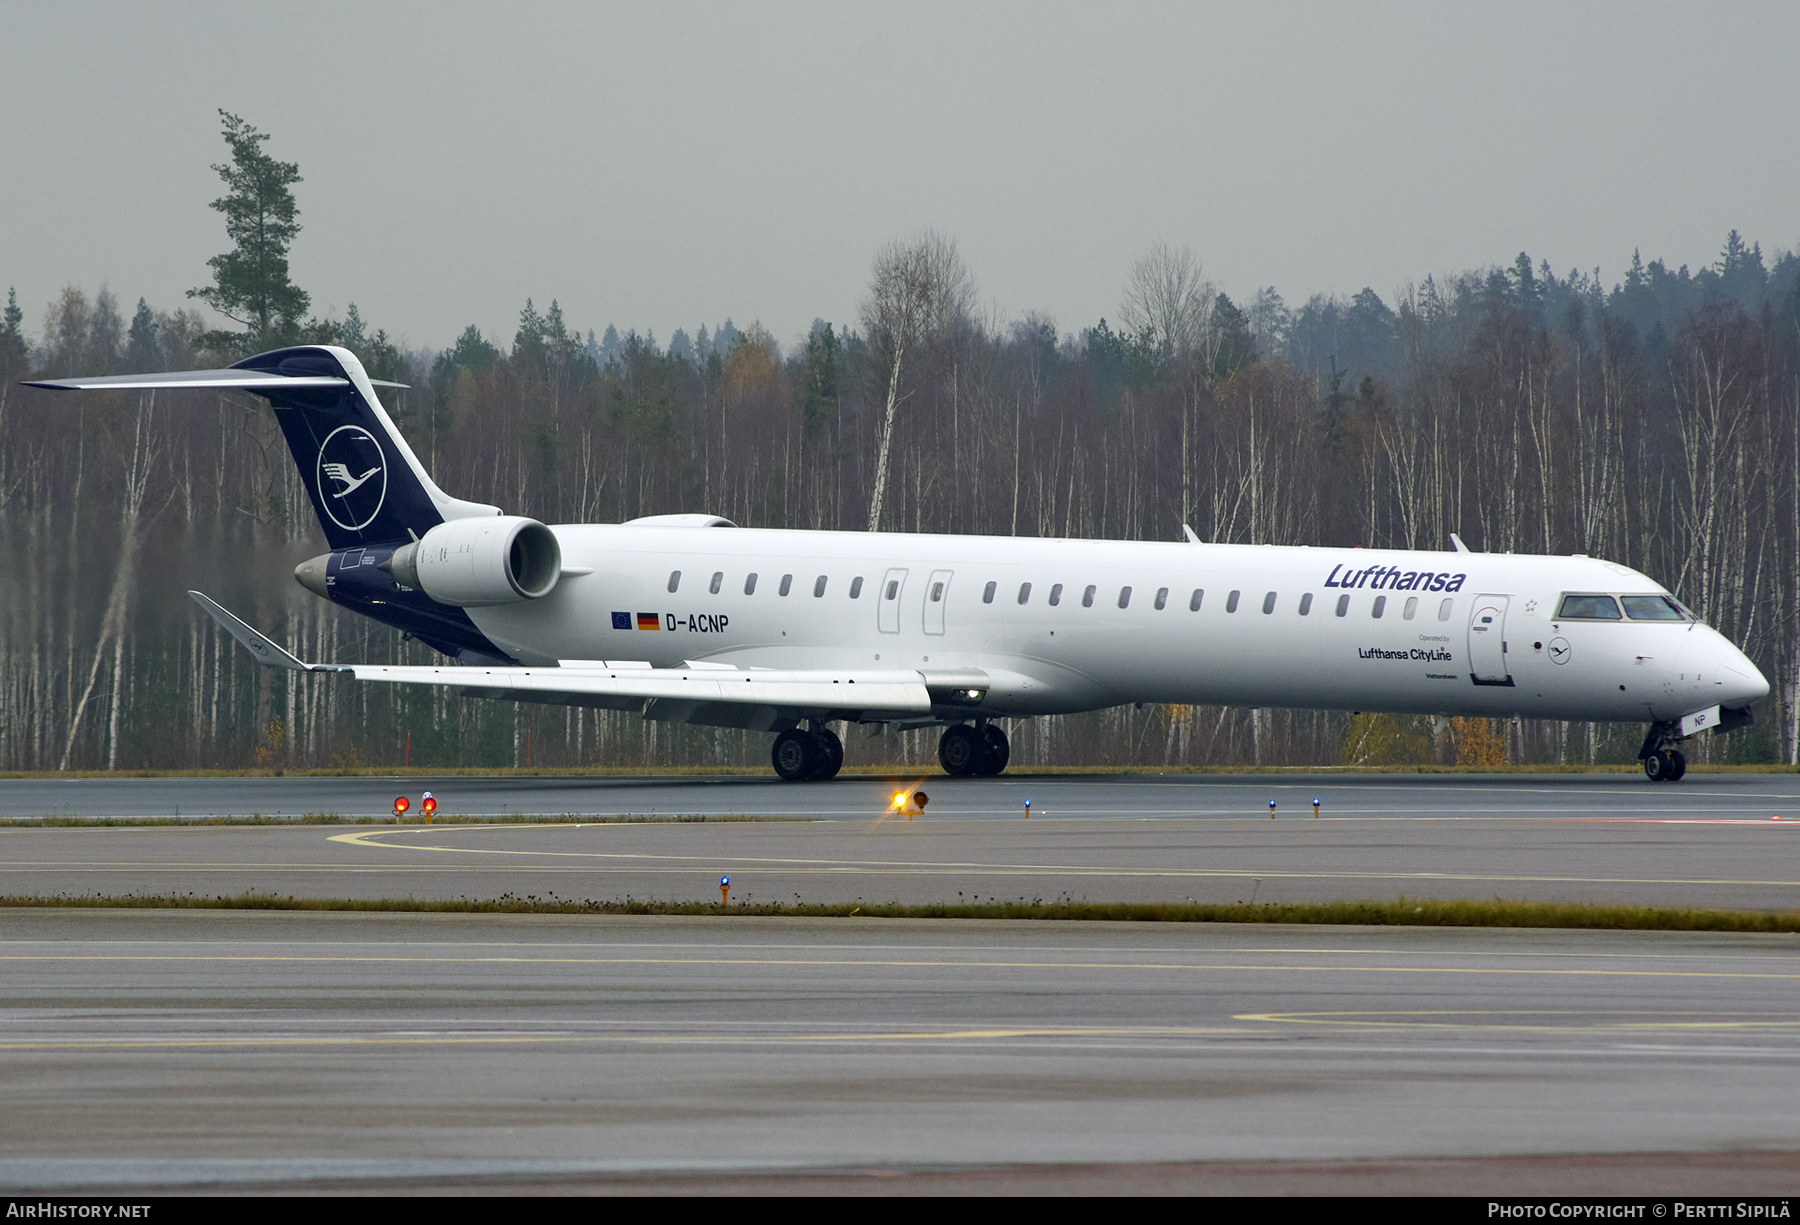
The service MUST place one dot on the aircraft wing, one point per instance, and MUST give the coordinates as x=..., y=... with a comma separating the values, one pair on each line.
x=716, y=695
x=665, y=692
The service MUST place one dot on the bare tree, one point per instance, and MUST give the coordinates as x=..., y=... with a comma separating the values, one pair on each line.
x=1168, y=295
x=920, y=291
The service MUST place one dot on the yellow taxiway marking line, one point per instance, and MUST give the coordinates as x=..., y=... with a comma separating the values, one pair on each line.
x=797, y=864
x=1427, y=1020
x=880, y=963
x=1012, y=869
x=959, y=1035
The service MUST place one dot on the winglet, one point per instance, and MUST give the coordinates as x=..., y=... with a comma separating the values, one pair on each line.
x=1188, y=533
x=267, y=652
x=1457, y=541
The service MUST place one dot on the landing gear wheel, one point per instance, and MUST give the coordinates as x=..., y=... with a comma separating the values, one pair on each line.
x=831, y=754
x=999, y=752
x=962, y=750
x=797, y=755
x=1665, y=766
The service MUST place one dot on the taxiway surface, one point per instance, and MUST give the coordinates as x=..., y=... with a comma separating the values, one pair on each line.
x=1714, y=840
x=179, y=1049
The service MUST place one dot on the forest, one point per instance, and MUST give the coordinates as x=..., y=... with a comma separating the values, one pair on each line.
x=1654, y=422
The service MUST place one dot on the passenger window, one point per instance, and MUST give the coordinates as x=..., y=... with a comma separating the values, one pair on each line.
x=1231, y=602
x=1124, y=597
x=1087, y=597
x=1380, y=607
x=1412, y=606
x=1306, y=604
x=856, y=588
x=893, y=588
x=718, y=579
x=1162, y=598
x=987, y=593
x=674, y=579
x=1343, y=608
x=750, y=584
x=1194, y=602
x=1444, y=610
x=1024, y=592
x=1056, y=595
x=787, y=583
x=819, y=587
x=1268, y=603
x=1652, y=608
x=1588, y=608
x=937, y=592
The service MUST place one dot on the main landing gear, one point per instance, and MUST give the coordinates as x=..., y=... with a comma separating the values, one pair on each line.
x=965, y=751
x=1663, y=762
x=808, y=755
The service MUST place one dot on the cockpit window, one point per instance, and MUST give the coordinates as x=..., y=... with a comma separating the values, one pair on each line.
x=1589, y=608
x=1652, y=608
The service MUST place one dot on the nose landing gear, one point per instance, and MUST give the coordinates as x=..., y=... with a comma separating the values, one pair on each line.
x=1665, y=766
x=966, y=751
x=1663, y=762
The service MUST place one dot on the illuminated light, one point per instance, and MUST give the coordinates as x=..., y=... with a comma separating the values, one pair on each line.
x=900, y=800
x=401, y=803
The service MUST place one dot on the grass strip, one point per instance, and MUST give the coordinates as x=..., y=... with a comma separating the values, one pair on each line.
x=1402, y=912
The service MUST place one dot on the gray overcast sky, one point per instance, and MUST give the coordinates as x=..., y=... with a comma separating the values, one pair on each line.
x=667, y=165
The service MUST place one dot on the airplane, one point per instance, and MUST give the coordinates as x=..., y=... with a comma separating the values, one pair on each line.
x=691, y=619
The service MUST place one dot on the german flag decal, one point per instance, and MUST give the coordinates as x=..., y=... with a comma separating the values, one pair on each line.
x=649, y=621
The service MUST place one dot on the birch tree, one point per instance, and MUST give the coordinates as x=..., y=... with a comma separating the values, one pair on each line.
x=919, y=292
x=1168, y=297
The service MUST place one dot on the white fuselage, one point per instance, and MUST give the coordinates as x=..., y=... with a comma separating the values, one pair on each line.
x=1429, y=633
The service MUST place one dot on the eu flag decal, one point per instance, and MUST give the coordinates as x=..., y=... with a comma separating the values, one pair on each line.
x=649, y=621
x=621, y=621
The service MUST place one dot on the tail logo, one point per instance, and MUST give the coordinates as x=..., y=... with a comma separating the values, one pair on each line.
x=352, y=477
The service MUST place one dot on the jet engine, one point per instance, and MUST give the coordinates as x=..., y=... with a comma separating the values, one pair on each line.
x=473, y=562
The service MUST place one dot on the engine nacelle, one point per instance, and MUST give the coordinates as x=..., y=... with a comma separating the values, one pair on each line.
x=473, y=562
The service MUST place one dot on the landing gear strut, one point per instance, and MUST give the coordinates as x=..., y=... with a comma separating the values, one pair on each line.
x=965, y=751
x=1663, y=762
x=807, y=755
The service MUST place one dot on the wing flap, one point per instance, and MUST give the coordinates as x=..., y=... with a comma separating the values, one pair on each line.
x=891, y=691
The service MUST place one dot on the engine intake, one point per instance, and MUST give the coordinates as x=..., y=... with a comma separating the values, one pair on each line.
x=475, y=562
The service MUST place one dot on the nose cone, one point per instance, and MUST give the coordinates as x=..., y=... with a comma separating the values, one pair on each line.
x=1744, y=682
x=310, y=574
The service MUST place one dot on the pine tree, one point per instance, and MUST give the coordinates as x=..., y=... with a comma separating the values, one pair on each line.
x=251, y=284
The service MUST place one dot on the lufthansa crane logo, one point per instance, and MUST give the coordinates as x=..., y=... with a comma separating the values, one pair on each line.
x=352, y=477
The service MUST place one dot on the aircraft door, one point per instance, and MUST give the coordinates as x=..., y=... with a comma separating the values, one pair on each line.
x=887, y=602
x=937, y=594
x=1487, y=641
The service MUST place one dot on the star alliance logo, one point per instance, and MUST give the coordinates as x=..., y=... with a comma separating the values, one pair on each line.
x=352, y=477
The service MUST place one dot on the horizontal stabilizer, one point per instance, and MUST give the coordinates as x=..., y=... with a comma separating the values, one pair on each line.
x=266, y=651
x=217, y=380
